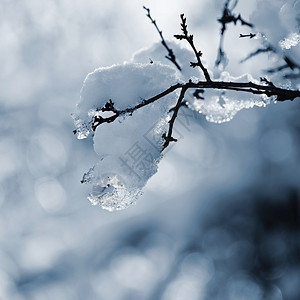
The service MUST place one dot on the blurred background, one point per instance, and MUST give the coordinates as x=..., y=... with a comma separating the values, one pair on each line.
x=220, y=219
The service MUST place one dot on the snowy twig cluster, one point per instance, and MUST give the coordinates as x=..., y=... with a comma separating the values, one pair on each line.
x=171, y=55
x=268, y=89
x=137, y=104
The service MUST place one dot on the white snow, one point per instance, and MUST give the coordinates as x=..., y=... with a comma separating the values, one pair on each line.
x=221, y=106
x=126, y=85
x=292, y=40
x=128, y=148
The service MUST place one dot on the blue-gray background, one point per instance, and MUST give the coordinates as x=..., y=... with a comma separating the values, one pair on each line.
x=220, y=220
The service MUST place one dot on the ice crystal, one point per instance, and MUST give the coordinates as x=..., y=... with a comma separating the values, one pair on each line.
x=292, y=40
x=221, y=106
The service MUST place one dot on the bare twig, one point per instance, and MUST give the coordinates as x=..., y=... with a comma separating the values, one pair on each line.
x=289, y=63
x=267, y=81
x=168, y=137
x=250, y=35
x=221, y=57
x=197, y=93
x=98, y=120
x=190, y=40
x=269, y=48
x=292, y=75
x=247, y=87
x=171, y=55
x=228, y=17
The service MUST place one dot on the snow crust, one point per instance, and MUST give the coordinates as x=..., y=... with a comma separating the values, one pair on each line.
x=183, y=56
x=221, y=106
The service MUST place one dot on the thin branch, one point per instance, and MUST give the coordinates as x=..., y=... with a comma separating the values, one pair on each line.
x=277, y=69
x=292, y=76
x=221, y=57
x=289, y=63
x=190, y=40
x=98, y=120
x=197, y=92
x=267, y=81
x=269, y=48
x=243, y=22
x=247, y=87
x=171, y=55
x=227, y=18
x=292, y=65
x=250, y=35
x=234, y=4
x=168, y=137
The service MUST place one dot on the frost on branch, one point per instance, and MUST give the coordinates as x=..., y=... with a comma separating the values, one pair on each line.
x=183, y=55
x=222, y=106
x=292, y=40
x=128, y=148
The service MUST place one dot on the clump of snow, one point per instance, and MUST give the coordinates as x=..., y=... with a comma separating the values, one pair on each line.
x=126, y=85
x=129, y=148
x=110, y=190
x=184, y=56
x=130, y=152
x=221, y=106
x=292, y=40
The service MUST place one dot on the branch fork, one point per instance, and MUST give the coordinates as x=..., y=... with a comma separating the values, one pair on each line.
x=268, y=88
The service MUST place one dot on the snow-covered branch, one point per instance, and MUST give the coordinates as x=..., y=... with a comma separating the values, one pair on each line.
x=190, y=39
x=248, y=87
x=171, y=56
x=131, y=110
